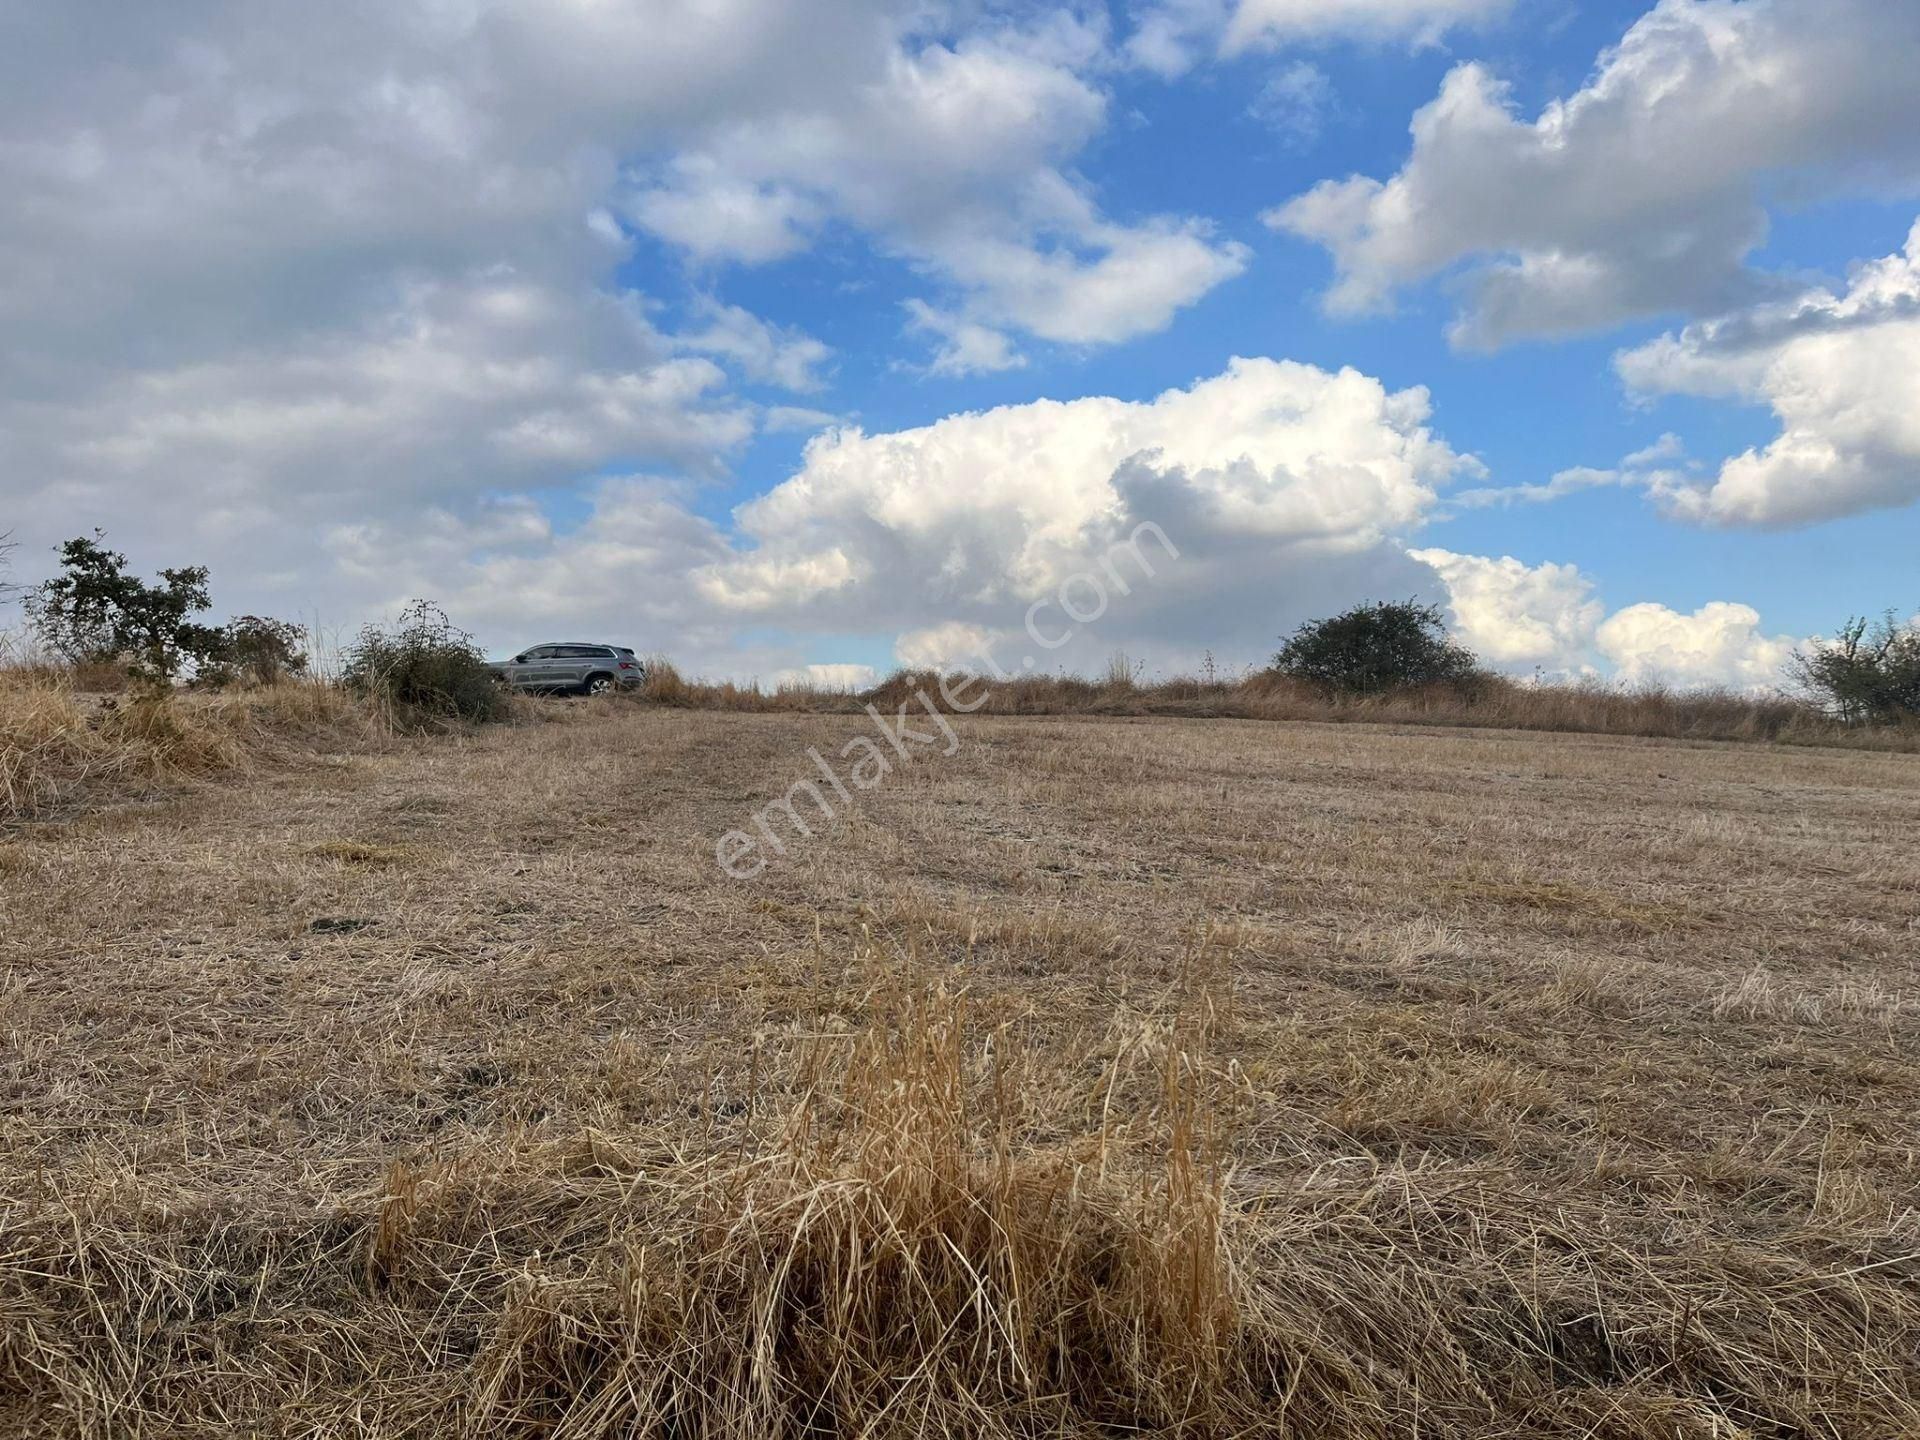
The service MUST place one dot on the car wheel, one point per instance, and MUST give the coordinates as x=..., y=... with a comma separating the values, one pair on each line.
x=600, y=685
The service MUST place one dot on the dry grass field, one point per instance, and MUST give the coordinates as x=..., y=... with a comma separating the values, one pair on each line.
x=1111, y=1076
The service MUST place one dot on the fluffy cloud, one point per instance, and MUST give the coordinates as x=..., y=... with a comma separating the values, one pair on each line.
x=267, y=270
x=1642, y=192
x=1515, y=615
x=1279, y=484
x=716, y=217
x=1718, y=644
x=953, y=153
x=1842, y=374
x=1546, y=617
x=773, y=354
x=487, y=384
x=952, y=646
x=1171, y=36
x=232, y=174
x=1114, y=283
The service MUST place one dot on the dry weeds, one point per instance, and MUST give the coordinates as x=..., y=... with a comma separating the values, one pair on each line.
x=1111, y=1076
x=60, y=740
x=1492, y=702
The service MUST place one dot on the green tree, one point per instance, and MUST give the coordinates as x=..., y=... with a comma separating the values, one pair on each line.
x=1381, y=645
x=97, y=610
x=261, y=650
x=1868, y=674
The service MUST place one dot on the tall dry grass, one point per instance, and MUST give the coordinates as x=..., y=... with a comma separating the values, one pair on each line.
x=893, y=1259
x=435, y=1105
x=58, y=739
x=667, y=686
x=889, y=1255
x=909, y=1246
x=1493, y=702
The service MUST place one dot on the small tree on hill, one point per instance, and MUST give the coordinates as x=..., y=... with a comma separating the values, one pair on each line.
x=97, y=610
x=1381, y=645
x=1868, y=674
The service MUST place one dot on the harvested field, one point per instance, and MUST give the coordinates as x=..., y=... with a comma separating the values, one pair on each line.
x=1181, y=1076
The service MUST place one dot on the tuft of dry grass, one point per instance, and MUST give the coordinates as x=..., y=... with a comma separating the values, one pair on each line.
x=57, y=741
x=885, y=1254
x=667, y=687
x=892, y=1261
x=45, y=744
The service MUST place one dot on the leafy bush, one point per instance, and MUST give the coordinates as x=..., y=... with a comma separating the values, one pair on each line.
x=258, y=650
x=1869, y=674
x=425, y=667
x=1379, y=646
x=96, y=610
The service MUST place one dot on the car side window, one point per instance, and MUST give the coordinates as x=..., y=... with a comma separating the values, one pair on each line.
x=575, y=652
x=541, y=652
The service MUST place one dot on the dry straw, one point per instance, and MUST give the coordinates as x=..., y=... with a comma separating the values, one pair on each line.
x=884, y=1252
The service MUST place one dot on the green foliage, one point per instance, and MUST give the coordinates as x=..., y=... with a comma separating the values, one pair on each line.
x=425, y=667
x=1869, y=674
x=258, y=650
x=96, y=610
x=1379, y=646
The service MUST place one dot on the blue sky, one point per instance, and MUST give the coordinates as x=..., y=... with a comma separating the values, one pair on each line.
x=600, y=318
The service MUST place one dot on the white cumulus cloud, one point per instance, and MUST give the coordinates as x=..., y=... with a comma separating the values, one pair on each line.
x=1720, y=643
x=1270, y=480
x=773, y=354
x=1516, y=615
x=1548, y=617
x=1643, y=191
x=1842, y=374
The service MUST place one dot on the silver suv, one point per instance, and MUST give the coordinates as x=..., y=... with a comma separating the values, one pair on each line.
x=586, y=669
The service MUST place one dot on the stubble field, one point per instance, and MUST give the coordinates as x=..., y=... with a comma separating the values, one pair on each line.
x=1207, y=1077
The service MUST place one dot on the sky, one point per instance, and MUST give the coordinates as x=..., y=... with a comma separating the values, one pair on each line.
x=812, y=339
